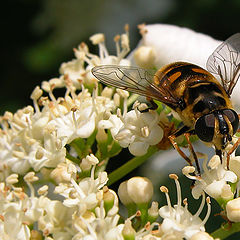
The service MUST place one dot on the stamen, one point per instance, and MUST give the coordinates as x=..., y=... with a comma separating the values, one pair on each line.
x=79, y=190
x=185, y=202
x=208, y=211
x=200, y=207
x=103, y=53
x=74, y=117
x=165, y=190
x=125, y=106
x=205, y=168
x=116, y=40
x=178, y=187
x=92, y=177
x=90, y=229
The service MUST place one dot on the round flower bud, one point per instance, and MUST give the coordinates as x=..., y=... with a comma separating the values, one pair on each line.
x=233, y=210
x=140, y=189
x=144, y=56
x=123, y=194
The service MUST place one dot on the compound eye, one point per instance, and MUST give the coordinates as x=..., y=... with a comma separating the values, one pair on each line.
x=204, y=127
x=233, y=118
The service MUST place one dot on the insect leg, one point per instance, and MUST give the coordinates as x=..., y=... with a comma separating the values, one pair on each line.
x=190, y=147
x=186, y=131
x=172, y=139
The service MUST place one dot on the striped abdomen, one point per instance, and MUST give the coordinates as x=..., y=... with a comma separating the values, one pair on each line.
x=197, y=90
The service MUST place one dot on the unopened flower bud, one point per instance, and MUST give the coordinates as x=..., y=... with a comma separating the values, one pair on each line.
x=233, y=210
x=145, y=56
x=108, y=199
x=123, y=194
x=140, y=189
x=128, y=231
x=153, y=212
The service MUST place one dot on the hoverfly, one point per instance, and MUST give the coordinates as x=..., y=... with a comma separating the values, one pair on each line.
x=202, y=102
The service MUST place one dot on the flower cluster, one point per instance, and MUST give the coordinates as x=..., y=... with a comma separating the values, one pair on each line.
x=53, y=155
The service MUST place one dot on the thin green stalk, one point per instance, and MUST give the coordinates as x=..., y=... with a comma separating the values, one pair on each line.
x=132, y=99
x=130, y=165
x=73, y=159
x=226, y=231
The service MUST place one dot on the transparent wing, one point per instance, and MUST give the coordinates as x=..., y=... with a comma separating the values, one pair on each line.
x=225, y=62
x=136, y=80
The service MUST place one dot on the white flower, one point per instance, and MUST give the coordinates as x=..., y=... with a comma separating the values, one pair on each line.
x=13, y=227
x=114, y=123
x=84, y=195
x=177, y=220
x=213, y=181
x=139, y=131
x=78, y=74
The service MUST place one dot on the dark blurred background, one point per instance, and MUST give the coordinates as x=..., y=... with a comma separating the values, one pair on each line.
x=38, y=35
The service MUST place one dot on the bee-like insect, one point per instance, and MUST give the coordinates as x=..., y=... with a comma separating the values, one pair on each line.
x=202, y=102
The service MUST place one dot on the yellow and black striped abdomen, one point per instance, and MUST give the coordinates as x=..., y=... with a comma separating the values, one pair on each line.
x=198, y=91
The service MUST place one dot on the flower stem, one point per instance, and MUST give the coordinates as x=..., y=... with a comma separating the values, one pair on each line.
x=132, y=99
x=226, y=231
x=130, y=165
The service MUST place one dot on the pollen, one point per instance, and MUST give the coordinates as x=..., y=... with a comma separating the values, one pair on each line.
x=173, y=176
x=164, y=189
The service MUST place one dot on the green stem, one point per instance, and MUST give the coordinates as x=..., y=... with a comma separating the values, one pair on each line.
x=132, y=99
x=130, y=165
x=73, y=159
x=226, y=231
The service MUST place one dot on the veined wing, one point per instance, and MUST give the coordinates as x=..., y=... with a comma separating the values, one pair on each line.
x=225, y=62
x=136, y=80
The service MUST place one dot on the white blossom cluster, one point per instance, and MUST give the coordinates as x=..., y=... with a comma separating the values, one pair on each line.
x=68, y=141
